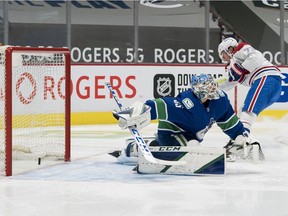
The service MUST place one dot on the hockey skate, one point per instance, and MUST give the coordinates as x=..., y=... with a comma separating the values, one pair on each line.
x=251, y=151
x=129, y=155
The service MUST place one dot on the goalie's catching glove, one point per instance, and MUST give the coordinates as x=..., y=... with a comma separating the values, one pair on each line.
x=246, y=149
x=137, y=115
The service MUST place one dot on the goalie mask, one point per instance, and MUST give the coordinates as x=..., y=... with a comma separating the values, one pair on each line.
x=204, y=87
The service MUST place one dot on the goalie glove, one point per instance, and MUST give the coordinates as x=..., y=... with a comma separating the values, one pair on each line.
x=137, y=115
x=246, y=149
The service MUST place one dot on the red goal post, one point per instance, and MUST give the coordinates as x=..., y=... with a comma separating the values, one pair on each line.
x=34, y=105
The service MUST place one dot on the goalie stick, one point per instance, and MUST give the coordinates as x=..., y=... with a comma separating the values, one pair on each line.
x=144, y=149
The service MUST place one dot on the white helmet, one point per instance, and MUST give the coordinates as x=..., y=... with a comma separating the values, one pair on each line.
x=225, y=44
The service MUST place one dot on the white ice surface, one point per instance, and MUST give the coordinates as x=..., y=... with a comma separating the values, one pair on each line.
x=94, y=184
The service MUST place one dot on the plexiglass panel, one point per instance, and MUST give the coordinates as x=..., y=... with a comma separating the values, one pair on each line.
x=159, y=31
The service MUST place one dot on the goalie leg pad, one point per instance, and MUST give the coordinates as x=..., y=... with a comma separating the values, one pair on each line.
x=199, y=161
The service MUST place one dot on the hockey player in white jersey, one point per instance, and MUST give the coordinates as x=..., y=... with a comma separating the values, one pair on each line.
x=249, y=67
x=187, y=117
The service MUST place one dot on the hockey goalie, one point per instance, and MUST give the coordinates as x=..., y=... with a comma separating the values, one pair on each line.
x=182, y=122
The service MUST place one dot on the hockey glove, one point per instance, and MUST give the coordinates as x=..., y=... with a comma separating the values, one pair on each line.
x=246, y=149
x=137, y=115
x=236, y=71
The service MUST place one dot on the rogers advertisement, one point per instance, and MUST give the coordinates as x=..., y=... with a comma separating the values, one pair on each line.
x=130, y=82
x=142, y=82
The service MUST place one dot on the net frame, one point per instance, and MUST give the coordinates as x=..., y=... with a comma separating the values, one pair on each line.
x=8, y=127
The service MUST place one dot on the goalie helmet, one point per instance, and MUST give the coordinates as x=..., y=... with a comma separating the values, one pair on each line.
x=224, y=46
x=204, y=87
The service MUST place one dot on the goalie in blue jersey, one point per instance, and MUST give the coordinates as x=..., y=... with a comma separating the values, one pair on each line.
x=186, y=118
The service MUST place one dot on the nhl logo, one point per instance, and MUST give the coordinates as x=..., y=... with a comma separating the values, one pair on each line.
x=164, y=85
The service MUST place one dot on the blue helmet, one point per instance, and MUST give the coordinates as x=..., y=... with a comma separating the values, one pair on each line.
x=204, y=87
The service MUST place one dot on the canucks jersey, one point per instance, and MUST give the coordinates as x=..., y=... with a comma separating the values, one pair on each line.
x=187, y=116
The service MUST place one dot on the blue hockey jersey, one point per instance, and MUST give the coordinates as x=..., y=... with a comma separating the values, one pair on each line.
x=187, y=116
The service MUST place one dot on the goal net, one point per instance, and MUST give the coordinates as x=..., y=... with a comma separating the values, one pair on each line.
x=34, y=105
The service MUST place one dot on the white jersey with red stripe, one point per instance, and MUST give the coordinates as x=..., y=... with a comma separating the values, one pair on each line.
x=254, y=62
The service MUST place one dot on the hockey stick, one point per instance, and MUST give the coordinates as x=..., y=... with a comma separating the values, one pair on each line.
x=144, y=149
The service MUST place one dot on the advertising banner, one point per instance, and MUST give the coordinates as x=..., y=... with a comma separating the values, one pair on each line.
x=141, y=82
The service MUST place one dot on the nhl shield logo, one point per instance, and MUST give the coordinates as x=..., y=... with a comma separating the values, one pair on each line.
x=164, y=85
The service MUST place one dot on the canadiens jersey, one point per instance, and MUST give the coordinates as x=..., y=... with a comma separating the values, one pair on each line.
x=252, y=65
x=186, y=114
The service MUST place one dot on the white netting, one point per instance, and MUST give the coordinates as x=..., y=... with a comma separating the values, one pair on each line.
x=38, y=105
x=2, y=111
